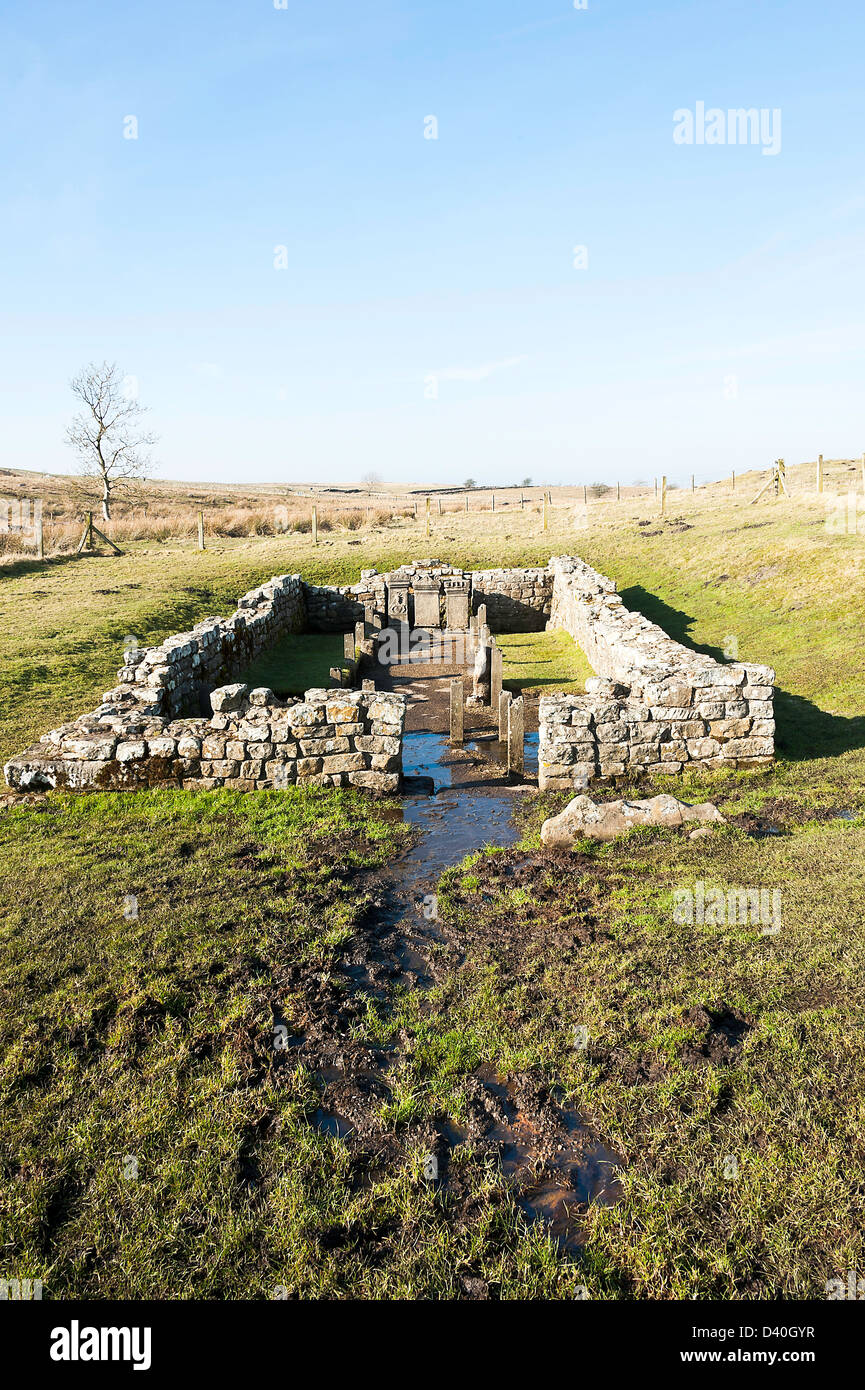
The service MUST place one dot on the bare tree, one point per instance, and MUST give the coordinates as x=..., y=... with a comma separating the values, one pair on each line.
x=371, y=481
x=107, y=435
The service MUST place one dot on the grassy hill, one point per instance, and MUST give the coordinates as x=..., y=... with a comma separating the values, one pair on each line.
x=149, y=1038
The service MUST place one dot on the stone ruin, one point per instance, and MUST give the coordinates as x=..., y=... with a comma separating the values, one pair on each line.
x=654, y=705
x=179, y=716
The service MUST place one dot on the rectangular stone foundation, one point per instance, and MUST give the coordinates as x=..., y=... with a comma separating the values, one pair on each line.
x=654, y=706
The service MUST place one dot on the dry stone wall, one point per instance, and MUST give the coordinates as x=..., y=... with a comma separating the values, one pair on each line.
x=171, y=678
x=654, y=706
x=150, y=730
x=252, y=741
x=517, y=600
x=174, y=716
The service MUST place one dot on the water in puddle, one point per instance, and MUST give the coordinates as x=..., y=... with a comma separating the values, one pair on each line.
x=334, y=1125
x=582, y=1171
x=496, y=752
x=455, y=821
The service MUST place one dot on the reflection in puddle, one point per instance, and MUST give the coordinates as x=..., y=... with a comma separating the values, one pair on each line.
x=334, y=1125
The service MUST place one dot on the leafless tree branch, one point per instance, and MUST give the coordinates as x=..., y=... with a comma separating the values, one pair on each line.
x=107, y=434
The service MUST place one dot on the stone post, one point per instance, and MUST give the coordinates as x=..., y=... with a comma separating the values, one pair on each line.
x=495, y=673
x=504, y=704
x=456, y=710
x=516, y=735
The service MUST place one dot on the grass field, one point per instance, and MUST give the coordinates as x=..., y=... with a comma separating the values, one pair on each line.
x=726, y=1067
x=300, y=662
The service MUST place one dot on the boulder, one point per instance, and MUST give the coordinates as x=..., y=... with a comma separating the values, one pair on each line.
x=584, y=818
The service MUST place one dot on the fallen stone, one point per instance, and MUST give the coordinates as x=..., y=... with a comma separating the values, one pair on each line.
x=584, y=818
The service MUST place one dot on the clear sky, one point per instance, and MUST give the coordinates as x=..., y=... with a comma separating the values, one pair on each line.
x=428, y=318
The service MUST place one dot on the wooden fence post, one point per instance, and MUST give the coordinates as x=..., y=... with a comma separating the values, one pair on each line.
x=820, y=474
x=692, y=482
x=663, y=493
x=733, y=480
x=315, y=525
x=427, y=516
x=201, y=530
x=545, y=511
x=40, y=538
x=618, y=492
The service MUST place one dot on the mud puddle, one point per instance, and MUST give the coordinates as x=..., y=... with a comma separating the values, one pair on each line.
x=555, y=1166
x=458, y=800
x=459, y=812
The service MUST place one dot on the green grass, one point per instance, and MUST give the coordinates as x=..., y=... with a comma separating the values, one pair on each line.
x=788, y=1106
x=545, y=660
x=149, y=1038
x=297, y=663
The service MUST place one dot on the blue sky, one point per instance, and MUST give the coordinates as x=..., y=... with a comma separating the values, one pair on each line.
x=430, y=323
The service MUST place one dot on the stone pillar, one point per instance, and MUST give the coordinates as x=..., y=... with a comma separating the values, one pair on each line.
x=516, y=735
x=348, y=642
x=457, y=604
x=495, y=673
x=427, y=604
x=482, y=616
x=456, y=710
x=504, y=704
x=481, y=673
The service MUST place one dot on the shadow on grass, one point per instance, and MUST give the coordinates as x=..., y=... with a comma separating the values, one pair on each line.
x=803, y=730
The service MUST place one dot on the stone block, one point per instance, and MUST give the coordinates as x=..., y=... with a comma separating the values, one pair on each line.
x=227, y=697
x=344, y=762
x=131, y=751
x=729, y=728
x=375, y=781
x=749, y=748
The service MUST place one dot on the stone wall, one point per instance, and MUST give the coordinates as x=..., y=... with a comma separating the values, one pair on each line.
x=174, y=676
x=336, y=608
x=517, y=600
x=252, y=741
x=171, y=719
x=655, y=705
